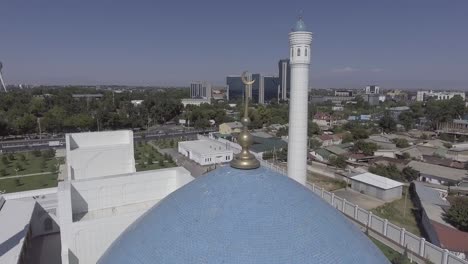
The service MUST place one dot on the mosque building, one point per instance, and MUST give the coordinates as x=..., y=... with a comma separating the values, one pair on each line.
x=244, y=213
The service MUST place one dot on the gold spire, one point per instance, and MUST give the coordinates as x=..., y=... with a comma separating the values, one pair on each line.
x=245, y=160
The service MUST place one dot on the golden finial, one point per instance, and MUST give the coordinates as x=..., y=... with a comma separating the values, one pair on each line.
x=245, y=160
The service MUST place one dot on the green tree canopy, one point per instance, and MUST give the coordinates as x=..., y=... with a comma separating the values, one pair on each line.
x=387, y=123
x=458, y=213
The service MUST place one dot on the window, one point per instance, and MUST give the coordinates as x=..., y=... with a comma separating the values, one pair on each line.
x=305, y=52
x=298, y=52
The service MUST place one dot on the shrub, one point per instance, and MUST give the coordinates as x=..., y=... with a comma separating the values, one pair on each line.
x=458, y=213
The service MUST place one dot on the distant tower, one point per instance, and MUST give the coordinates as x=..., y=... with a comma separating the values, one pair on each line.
x=1, y=78
x=299, y=43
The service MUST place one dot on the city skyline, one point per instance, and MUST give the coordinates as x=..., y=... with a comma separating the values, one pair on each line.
x=175, y=43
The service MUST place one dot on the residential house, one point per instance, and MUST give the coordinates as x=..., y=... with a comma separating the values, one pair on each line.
x=328, y=140
x=437, y=174
x=432, y=205
x=385, y=161
x=229, y=128
x=324, y=120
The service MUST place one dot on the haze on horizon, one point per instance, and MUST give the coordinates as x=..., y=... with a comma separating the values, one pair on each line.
x=396, y=44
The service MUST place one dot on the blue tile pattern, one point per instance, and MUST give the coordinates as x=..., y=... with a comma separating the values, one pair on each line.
x=232, y=216
x=300, y=26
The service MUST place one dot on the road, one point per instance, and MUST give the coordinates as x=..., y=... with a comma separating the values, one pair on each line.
x=41, y=144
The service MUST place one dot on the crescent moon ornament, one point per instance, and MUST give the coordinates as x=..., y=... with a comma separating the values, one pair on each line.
x=244, y=80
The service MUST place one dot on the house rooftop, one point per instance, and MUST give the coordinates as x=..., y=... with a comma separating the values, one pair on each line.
x=438, y=171
x=377, y=181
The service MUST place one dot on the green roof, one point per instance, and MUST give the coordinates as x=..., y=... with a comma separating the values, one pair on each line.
x=324, y=153
x=267, y=144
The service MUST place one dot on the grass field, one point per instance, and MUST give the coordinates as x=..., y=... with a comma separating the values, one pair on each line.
x=391, y=254
x=26, y=163
x=28, y=183
x=329, y=184
x=148, y=158
x=396, y=213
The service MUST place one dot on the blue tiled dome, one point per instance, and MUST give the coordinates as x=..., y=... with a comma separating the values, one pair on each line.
x=235, y=216
x=300, y=25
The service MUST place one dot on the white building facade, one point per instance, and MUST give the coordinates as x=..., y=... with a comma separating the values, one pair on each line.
x=206, y=152
x=102, y=193
x=299, y=44
x=424, y=95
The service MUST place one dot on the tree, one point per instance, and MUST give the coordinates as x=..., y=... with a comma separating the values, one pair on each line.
x=387, y=123
x=337, y=161
x=54, y=119
x=4, y=127
x=359, y=133
x=49, y=154
x=283, y=131
x=458, y=213
x=348, y=137
x=406, y=156
x=3, y=172
x=22, y=157
x=407, y=119
x=26, y=124
x=314, y=143
x=313, y=129
x=401, y=142
x=18, y=167
x=37, y=153
x=367, y=148
x=18, y=182
x=457, y=106
x=410, y=174
x=390, y=171
x=5, y=160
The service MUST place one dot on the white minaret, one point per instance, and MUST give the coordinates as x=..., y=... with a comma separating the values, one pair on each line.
x=299, y=52
x=1, y=78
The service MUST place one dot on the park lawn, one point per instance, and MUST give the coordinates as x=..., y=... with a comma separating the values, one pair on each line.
x=395, y=213
x=28, y=183
x=329, y=184
x=31, y=164
x=143, y=152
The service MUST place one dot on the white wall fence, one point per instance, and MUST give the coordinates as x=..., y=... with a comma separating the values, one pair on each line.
x=417, y=245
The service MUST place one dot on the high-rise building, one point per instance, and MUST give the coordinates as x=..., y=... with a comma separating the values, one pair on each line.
x=284, y=79
x=372, y=89
x=263, y=90
x=271, y=88
x=235, y=87
x=299, y=45
x=200, y=90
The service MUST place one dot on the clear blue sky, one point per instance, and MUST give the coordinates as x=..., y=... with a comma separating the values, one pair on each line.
x=394, y=43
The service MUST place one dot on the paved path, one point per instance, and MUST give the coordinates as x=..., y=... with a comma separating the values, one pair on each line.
x=26, y=175
x=364, y=201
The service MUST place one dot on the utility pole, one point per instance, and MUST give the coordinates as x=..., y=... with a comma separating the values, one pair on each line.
x=406, y=196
